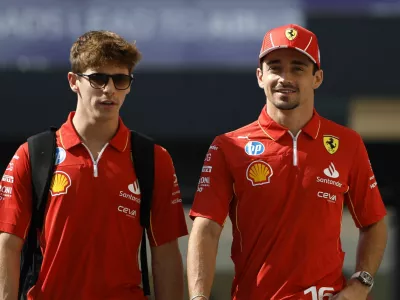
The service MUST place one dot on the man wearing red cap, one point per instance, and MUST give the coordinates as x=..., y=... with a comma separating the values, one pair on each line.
x=284, y=180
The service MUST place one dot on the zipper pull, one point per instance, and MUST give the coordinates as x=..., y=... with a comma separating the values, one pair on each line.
x=95, y=170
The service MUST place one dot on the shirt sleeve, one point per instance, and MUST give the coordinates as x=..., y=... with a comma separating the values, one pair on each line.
x=167, y=216
x=16, y=195
x=215, y=188
x=363, y=198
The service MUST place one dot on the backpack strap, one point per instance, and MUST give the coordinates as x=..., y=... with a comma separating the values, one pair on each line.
x=143, y=163
x=42, y=148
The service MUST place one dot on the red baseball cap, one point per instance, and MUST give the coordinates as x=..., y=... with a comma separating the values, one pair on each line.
x=292, y=36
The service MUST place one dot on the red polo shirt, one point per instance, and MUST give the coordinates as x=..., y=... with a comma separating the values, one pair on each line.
x=285, y=195
x=91, y=234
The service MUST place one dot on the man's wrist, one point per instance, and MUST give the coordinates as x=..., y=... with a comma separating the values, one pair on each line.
x=199, y=296
x=355, y=284
x=364, y=278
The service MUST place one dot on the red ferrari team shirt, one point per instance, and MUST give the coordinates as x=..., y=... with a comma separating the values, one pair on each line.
x=285, y=195
x=91, y=235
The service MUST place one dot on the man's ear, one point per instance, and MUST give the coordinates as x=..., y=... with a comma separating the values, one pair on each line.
x=72, y=79
x=259, y=74
x=318, y=79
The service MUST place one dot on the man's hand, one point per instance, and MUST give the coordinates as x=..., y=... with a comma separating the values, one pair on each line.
x=354, y=291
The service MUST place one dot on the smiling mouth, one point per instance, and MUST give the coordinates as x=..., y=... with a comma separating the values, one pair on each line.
x=108, y=103
x=286, y=91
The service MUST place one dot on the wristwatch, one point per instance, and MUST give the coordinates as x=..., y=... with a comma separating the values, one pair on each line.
x=365, y=278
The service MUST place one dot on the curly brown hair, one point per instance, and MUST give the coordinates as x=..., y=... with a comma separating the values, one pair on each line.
x=96, y=48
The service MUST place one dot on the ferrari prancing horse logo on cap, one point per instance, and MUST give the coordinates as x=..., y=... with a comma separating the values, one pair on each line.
x=291, y=34
x=331, y=143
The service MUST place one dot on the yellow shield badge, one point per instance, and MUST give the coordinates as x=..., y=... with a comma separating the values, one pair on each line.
x=291, y=34
x=331, y=143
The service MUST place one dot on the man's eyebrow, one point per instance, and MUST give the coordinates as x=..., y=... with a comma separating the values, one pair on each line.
x=293, y=62
x=271, y=62
x=299, y=62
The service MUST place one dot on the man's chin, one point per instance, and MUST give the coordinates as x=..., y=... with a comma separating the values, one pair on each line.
x=286, y=106
x=106, y=116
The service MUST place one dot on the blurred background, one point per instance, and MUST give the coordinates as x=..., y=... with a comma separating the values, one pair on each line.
x=197, y=80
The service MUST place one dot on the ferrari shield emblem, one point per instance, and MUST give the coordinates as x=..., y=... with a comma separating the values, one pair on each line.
x=331, y=143
x=291, y=34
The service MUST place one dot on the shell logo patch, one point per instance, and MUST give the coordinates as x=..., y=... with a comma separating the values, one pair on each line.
x=259, y=172
x=60, y=183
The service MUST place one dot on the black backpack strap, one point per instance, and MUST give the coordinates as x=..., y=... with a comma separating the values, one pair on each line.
x=143, y=163
x=42, y=148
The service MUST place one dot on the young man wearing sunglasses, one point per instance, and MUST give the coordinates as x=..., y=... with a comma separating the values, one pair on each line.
x=283, y=180
x=91, y=233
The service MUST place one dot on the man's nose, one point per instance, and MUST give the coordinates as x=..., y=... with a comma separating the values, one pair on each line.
x=109, y=88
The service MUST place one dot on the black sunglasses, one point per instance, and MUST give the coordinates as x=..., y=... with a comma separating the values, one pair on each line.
x=100, y=80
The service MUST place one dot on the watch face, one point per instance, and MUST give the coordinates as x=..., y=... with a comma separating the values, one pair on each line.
x=367, y=278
